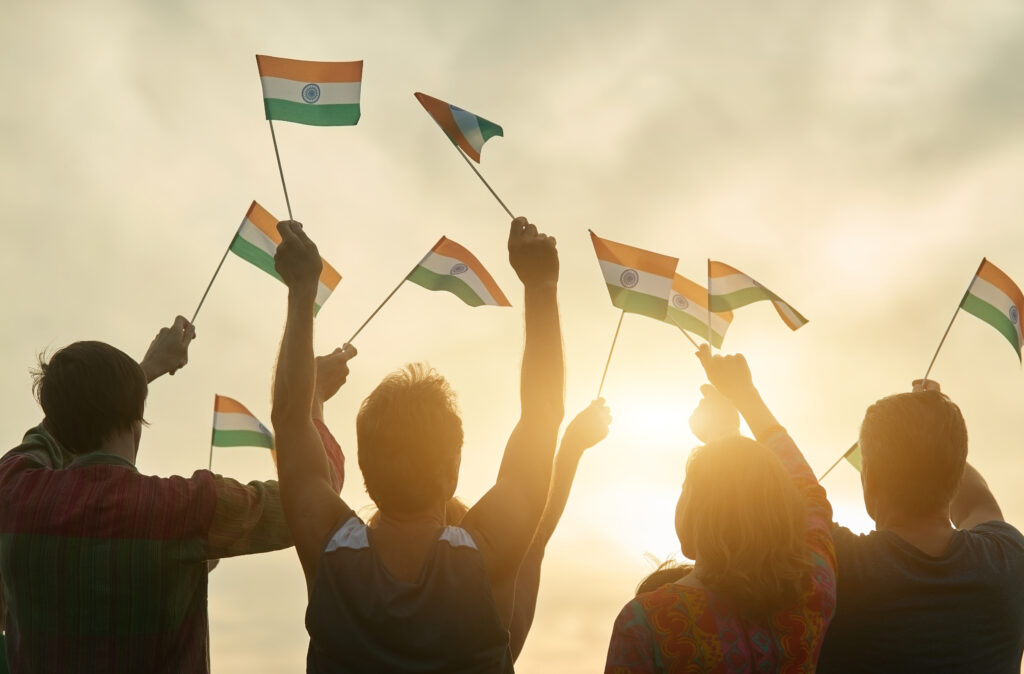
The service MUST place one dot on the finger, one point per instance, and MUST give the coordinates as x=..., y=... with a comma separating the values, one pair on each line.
x=530, y=230
x=286, y=228
x=704, y=355
x=180, y=323
x=707, y=390
x=515, y=230
x=349, y=351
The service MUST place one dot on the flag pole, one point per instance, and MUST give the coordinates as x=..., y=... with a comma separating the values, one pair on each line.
x=210, y=284
x=959, y=304
x=710, y=345
x=213, y=430
x=390, y=294
x=280, y=170
x=612, y=349
x=695, y=344
x=838, y=461
x=486, y=184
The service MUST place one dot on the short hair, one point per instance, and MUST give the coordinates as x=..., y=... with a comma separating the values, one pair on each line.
x=913, y=451
x=743, y=519
x=409, y=438
x=89, y=391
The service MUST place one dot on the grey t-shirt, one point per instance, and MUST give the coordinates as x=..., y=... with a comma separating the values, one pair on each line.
x=901, y=610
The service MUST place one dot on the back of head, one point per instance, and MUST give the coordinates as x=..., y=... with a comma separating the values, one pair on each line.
x=410, y=441
x=88, y=392
x=913, y=449
x=743, y=520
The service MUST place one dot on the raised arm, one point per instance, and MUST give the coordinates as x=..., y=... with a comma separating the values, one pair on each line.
x=588, y=428
x=973, y=503
x=504, y=520
x=168, y=352
x=311, y=506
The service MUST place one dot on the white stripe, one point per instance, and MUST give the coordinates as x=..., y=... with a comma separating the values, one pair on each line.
x=991, y=294
x=330, y=92
x=237, y=421
x=351, y=535
x=322, y=293
x=469, y=127
x=442, y=264
x=794, y=320
x=726, y=285
x=457, y=537
x=647, y=283
x=718, y=323
x=257, y=237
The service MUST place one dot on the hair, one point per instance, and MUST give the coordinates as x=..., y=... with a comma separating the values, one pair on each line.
x=88, y=392
x=741, y=517
x=913, y=449
x=409, y=436
x=667, y=572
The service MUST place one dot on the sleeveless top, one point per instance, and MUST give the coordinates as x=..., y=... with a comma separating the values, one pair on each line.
x=361, y=619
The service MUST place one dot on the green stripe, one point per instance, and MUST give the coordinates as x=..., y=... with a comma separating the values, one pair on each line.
x=638, y=303
x=687, y=321
x=488, y=129
x=258, y=257
x=740, y=298
x=853, y=456
x=345, y=114
x=242, y=439
x=994, y=317
x=453, y=284
x=255, y=255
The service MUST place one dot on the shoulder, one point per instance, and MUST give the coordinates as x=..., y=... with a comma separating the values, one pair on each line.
x=996, y=538
x=350, y=534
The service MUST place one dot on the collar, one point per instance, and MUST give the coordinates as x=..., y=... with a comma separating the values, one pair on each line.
x=102, y=458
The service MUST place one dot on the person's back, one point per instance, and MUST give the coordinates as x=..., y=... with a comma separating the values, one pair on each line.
x=917, y=594
x=362, y=618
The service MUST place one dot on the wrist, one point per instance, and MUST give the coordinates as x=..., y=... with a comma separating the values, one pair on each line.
x=150, y=370
x=302, y=293
x=541, y=287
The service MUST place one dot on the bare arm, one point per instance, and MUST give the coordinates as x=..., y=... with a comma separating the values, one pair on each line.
x=311, y=507
x=588, y=428
x=973, y=503
x=168, y=352
x=504, y=520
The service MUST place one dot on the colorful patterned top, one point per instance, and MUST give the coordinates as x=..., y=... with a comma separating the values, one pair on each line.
x=105, y=569
x=678, y=628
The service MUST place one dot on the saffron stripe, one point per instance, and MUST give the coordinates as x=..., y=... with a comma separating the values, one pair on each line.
x=449, y=248
x=310, y=71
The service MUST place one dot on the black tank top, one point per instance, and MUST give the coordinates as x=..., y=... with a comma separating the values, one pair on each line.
x=361, y=619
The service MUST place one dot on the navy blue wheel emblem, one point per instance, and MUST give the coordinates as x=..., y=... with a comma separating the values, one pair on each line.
x=458, y=268
x=1014, y=314
x=629, y=278
x=311, y=93
x=680, y=302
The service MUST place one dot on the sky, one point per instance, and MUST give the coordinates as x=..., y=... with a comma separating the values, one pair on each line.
x=858, y=157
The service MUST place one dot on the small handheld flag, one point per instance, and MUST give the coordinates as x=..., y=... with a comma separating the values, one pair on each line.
x=319, y=93
x=639, y=281
x=448, y=266
x=236, y=426
x=852, y=455
x=466, y=131
x=729, y=288
x=688, y=310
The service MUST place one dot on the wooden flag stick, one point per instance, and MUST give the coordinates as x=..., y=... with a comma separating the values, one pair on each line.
x=838, y=461
x=280, y=170
x=390, y=295
x=695, y=344
x=710, y=345
x=486, y=184
x=610, y=351
x=943, y=340
x=210, y=284
x=213, y=431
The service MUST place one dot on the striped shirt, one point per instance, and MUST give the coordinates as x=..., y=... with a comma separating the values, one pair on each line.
x=105, y=569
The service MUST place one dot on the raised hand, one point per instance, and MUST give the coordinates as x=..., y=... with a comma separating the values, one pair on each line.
x=532, y=254
x=925, y=385
x=589, y=427
x=169, y=349
x=297, y=260
x=715, y=417
x=729, y=374
x=332, y=371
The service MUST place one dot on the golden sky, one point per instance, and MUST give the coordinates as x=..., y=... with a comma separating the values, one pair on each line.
x=858, y=157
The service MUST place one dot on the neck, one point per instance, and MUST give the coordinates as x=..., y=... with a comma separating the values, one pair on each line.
x=121, y=444
x=930, y=532
x=431, y=518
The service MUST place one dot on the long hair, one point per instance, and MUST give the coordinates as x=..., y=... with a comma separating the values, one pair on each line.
x=740, y=516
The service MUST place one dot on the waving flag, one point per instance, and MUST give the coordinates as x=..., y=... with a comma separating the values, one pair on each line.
x=729, y=288
x=464, y=128
x=638, y=280
x=235, y=426
x=320, y=93
x=449, y=266
x=995, y=298
x=256, y=241
x=688, y=310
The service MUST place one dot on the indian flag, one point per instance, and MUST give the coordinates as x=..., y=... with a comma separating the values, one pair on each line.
x=464, y=128
x=688, y=310
x=320, y=93
x=235, y=426
x=638, y=280
x=995, y=298
x=853, y=456
x=449, y=266
x=729, y=288
x=256, y=241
